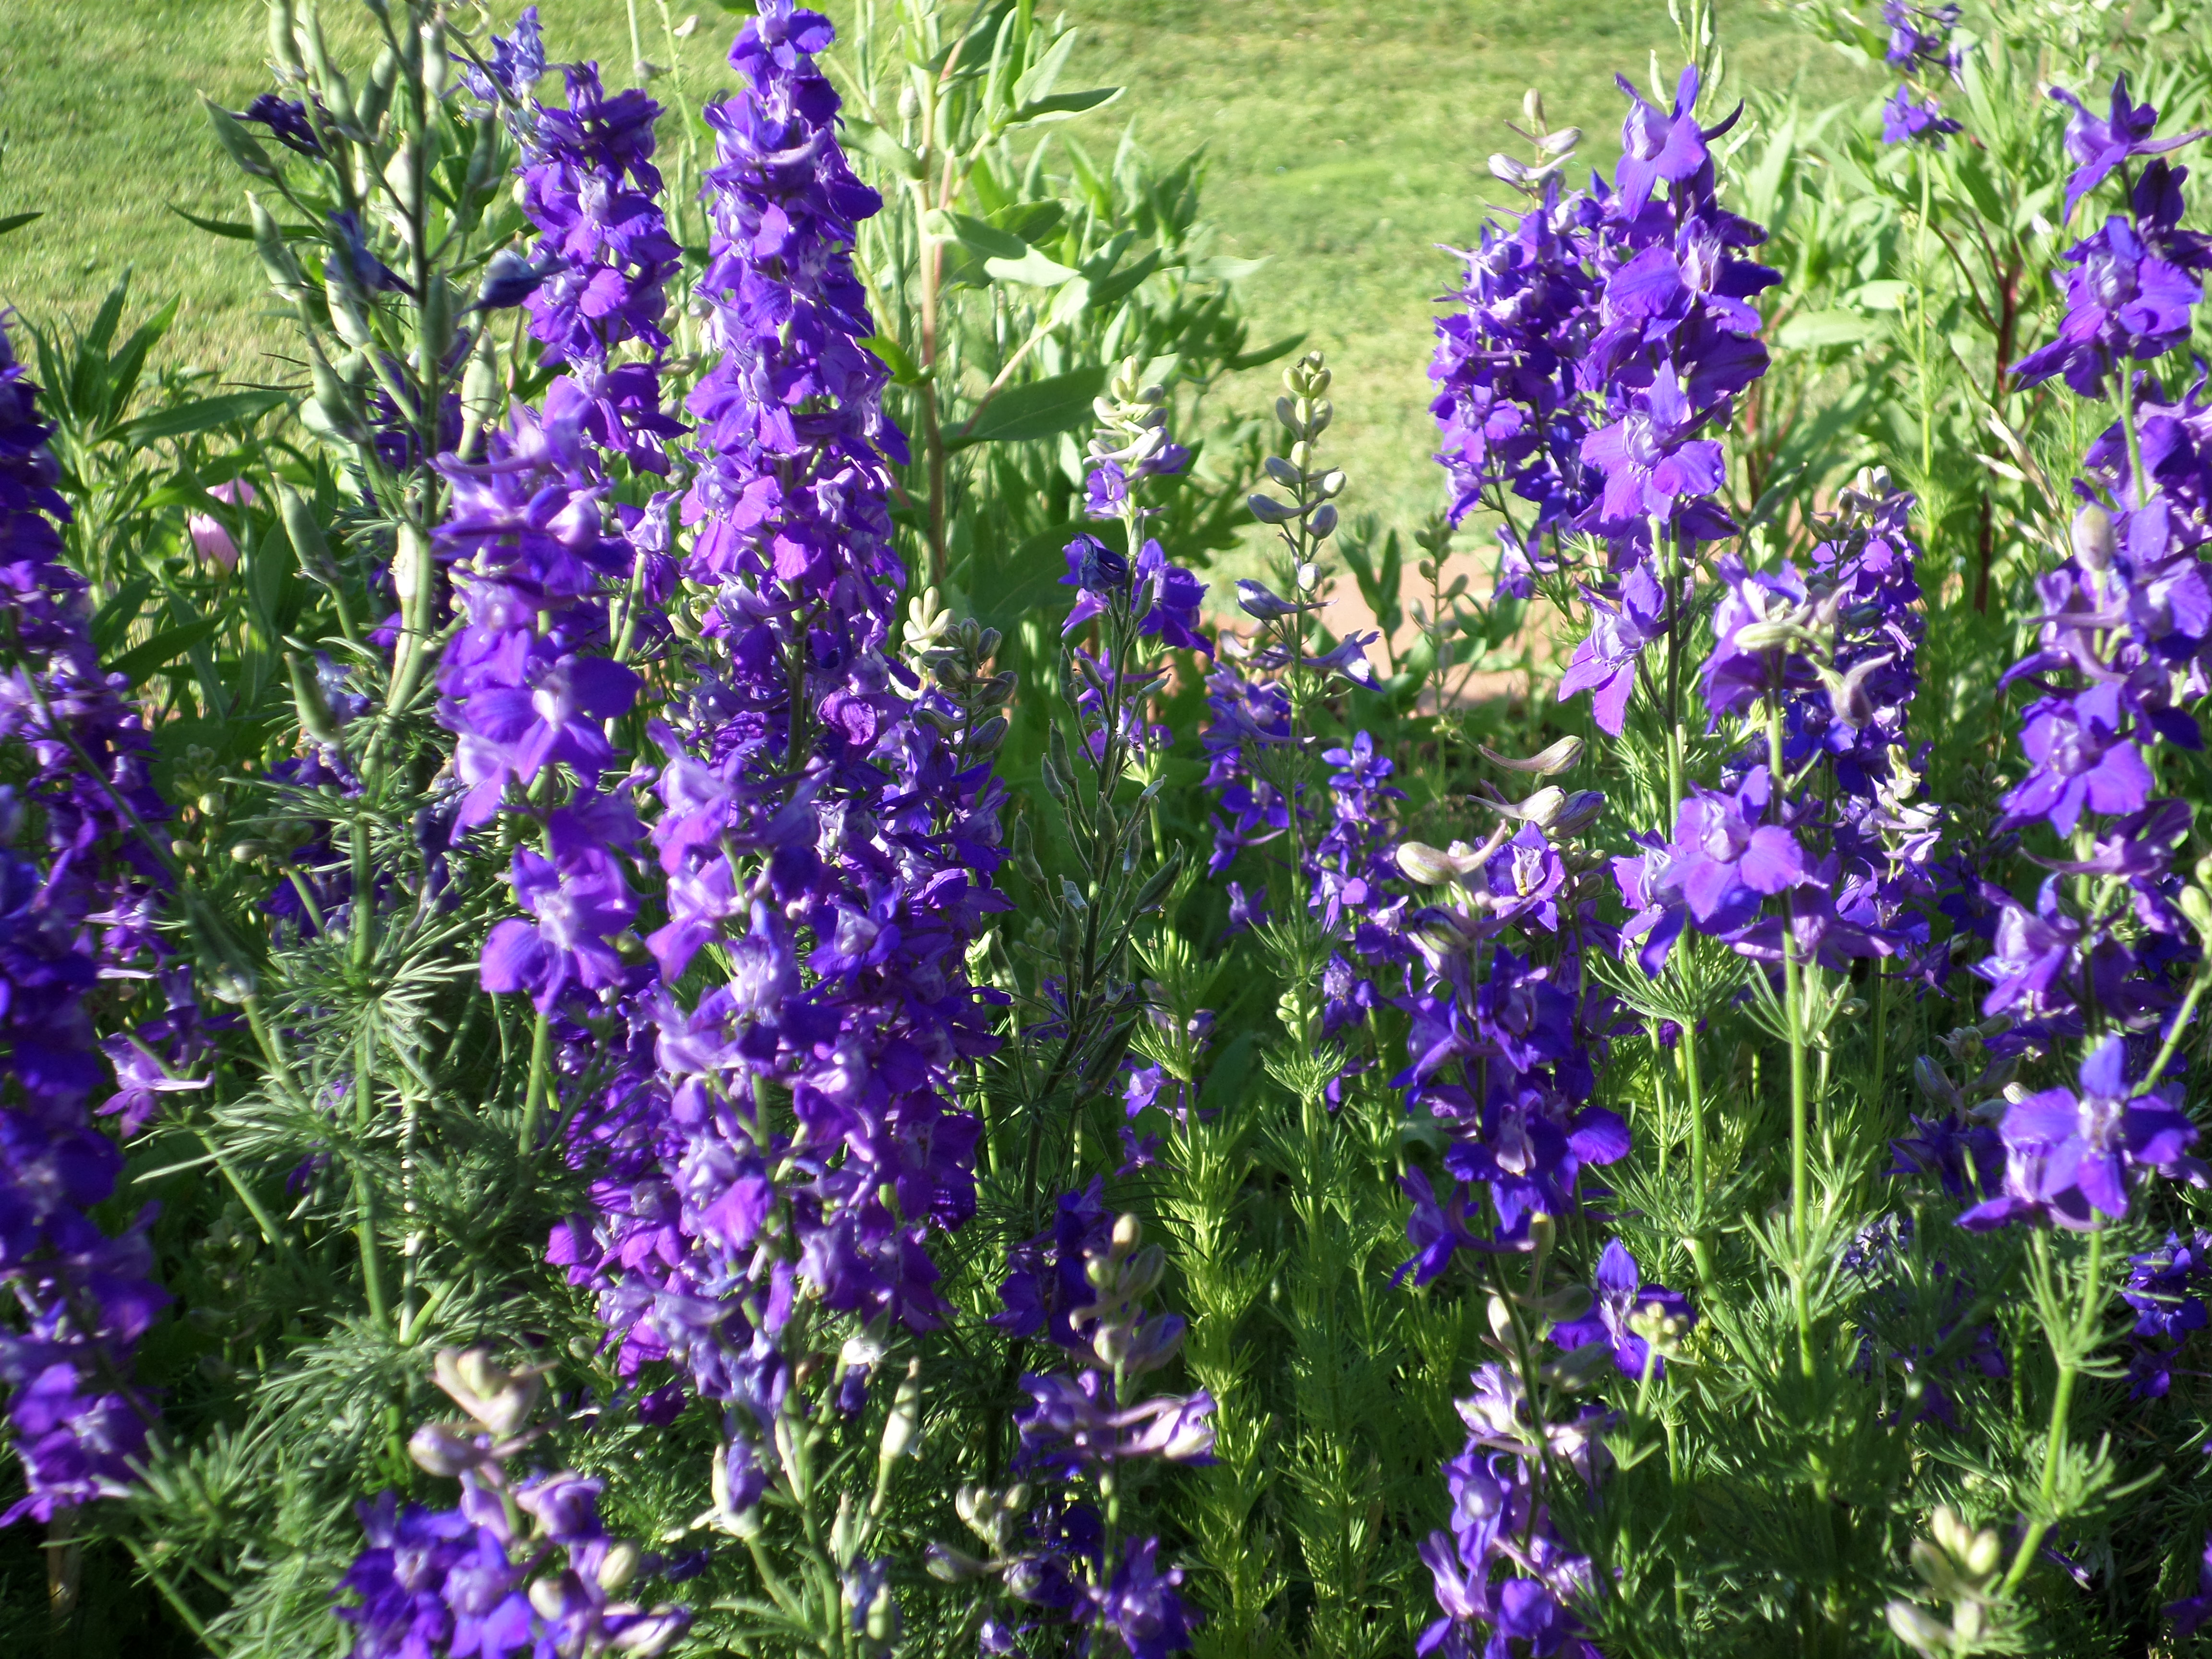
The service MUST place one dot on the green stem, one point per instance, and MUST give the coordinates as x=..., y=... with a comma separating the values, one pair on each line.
x=1800, y=1091
x=2135, y=440
x=2068, y=1358
x=2180, y=1024
x=533, y=1104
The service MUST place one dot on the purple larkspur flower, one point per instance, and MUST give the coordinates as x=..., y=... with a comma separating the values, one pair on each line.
x=2071, y=1155
x=1619, y=1296
x=2123, y=304
x=2097, y=146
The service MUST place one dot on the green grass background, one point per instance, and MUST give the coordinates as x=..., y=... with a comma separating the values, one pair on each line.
x=1348, y=139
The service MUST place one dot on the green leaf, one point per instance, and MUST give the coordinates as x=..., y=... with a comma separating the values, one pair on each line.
x=111, y=623
x=1824, y=328
x=887, y=149
x=1042, y=408
x=1885, y=295
x=17, y=220
x=1030, y=221
x=1222, y=268
x=1039, y=79
x=164, y=648
x=1267, y=353
x=237, y=233
x=1112, y=290
x=987, y=240
x=904, y=370
x=1032, y=268
x=201, y=415
x=1063, y=105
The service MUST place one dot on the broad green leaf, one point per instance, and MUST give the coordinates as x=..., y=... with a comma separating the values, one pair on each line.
x=1032, y=268
x=1111, y=289
x=199, y=416
x=1222, y=268
x=987, y=240
x=1030, y=221
x=1824, y=328
x=164, y=648
x=886, y=148
x=1063, y=105
x=1042, y=408
x=1038, y=80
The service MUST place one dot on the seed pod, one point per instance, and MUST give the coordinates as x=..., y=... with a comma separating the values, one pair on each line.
x=307, y=535
x=286, y=280
x=284, y=42
x=434, y=60
x=905, y=1416
x=399, y=172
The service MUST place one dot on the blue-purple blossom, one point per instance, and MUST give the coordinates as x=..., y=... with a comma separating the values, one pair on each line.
x=1618, y=1299
x=2124, y=304
x=2073, y=1155
x=2097, y=147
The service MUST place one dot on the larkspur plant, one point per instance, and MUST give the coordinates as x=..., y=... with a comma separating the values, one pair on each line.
x=662, y=933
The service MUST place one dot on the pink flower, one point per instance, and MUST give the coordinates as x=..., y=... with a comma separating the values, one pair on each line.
x=207, y=531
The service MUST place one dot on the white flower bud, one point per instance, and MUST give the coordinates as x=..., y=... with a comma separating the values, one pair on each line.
x=2094, y=542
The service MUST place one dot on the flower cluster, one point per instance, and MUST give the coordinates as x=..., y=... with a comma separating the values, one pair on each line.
x=1502, y=1567
x=1601, y=341
x=1833, y=655
x=77, y=912
x=518, y=1566
x=1077, y=1287
x=1919, y=40
x=778, y=1148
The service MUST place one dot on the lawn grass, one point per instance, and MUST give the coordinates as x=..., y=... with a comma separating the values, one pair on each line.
x=1348, y=139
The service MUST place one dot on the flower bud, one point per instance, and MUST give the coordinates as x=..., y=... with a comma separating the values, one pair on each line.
x=619, y=1564
x=1559, y=143
x=1927, y=1077
x=951, y=1566
x=1766, y=635
x=1532, y=108
x=1546, y=763
x=444, y=1448
x=2094, y=541
x=549, y=1597
x=1429, y=865
x=1267, y=510
x=905, y=1416
x=1127, y=1231
x=1916, y=1628
x=500, y=1399
x=283, y=272
x=1322, y=525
